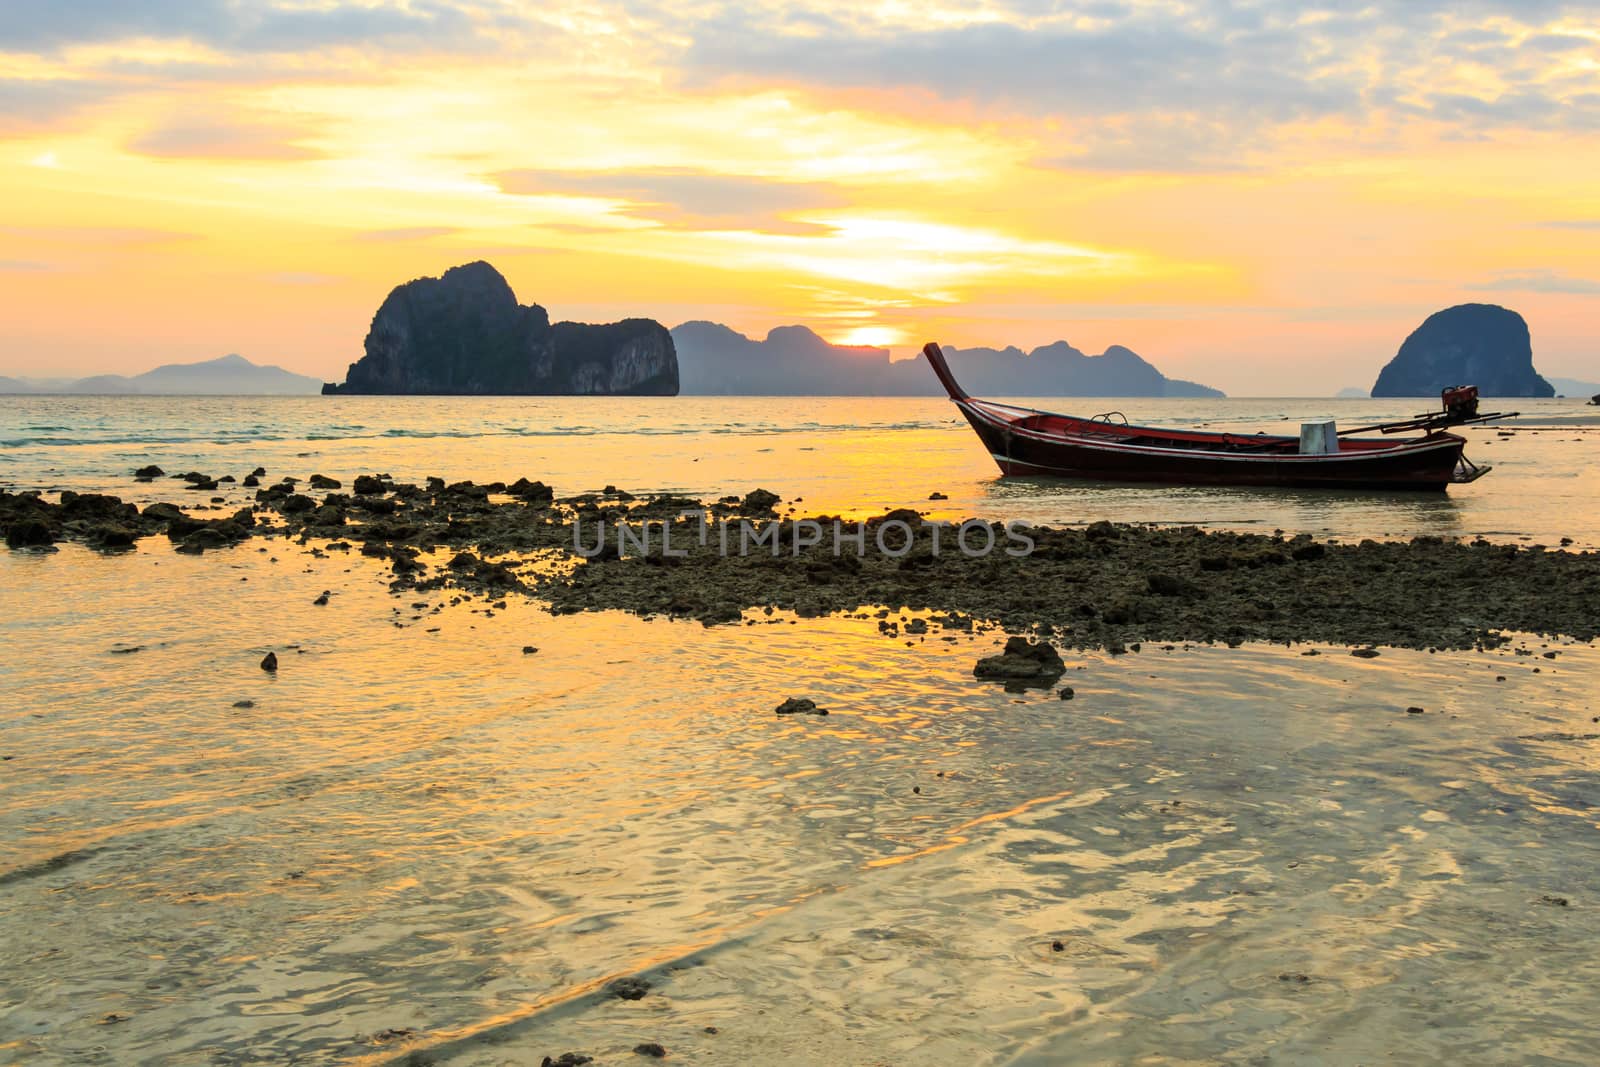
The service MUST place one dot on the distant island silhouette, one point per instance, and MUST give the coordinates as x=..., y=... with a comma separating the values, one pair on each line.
x=230, y=375
x=467, y=351
x=464, y=333
x=795, y=361
x=1573, y=386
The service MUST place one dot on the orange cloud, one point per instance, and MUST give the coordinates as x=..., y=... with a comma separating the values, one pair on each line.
x=1266, y=197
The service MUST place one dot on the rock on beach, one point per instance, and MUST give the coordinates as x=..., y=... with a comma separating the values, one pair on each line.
x=1023, y=661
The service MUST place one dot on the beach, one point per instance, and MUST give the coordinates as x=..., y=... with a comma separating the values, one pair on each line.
x=485, y=785
x=822, y=534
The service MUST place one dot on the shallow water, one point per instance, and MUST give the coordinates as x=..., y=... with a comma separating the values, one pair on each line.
x=841, y=455
x=419, y=827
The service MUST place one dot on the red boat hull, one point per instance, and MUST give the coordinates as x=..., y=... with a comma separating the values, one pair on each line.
x=1023, y=441
x=1422, y=465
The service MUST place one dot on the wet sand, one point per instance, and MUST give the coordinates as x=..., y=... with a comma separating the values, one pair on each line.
x=419, y=844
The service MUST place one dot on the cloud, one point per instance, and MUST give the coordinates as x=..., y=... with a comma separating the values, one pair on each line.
x=238, y=25
x=1537, y=281
x=405, y=233
x=101, y=51
x=419, y=22
x=23, y=266
x=1476, y=37
x=1153, y=144
x=46, y=24
x=1572, y=224
x=1557, y=42
x=686, y=198
x=30, y=104
x=1507, y=109
x=1058, y=68
x=1237, y=72
x=198, y=137
x=1180, y=86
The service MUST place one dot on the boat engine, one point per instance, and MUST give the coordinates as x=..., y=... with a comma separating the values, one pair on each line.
x=1460, y=402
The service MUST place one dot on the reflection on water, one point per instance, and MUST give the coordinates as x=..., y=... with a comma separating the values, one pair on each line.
x=414, y=835
x=847, y=455
x=1327, y=511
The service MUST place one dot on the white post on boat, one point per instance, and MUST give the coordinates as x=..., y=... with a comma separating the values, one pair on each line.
x=1319, y=437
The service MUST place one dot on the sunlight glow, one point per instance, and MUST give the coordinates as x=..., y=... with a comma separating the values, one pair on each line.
x=875, y=336
x=639, y=161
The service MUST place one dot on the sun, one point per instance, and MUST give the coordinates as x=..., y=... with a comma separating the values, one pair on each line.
x=875, y=336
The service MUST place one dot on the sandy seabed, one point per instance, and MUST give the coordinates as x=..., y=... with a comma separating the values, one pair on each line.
x=417, y=841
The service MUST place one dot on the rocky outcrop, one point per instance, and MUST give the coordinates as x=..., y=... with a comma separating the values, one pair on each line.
x=465, y=334
x=107, y=523
x=1471, y=344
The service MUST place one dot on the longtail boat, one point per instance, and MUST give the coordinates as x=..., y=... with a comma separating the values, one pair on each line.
x=1105, y=447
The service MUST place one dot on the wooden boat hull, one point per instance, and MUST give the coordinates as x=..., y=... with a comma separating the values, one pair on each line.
x=1430, y=464
x=1024, y=441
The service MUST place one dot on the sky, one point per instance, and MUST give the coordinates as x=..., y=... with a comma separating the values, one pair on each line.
x=1263, y=195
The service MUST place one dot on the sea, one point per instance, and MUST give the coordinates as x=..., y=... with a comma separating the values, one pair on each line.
x=418, y=843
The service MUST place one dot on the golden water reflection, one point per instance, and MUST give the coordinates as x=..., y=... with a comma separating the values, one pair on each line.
x=418, y=830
